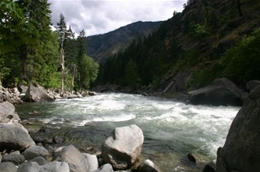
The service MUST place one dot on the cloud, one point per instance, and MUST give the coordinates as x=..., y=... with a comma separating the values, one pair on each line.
x=102, y=16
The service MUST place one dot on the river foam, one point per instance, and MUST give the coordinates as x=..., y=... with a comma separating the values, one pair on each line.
x=169, y=125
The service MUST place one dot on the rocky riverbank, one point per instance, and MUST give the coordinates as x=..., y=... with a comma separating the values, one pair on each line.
x=37, y=93
x=20, y=153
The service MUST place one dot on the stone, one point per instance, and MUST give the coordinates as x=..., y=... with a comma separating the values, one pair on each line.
x=210, y=167
x=14, y=137
x=35, y=151
x=188, y=159
x=250, y=85
x=7, y=167
x=39, y=159
x=105, y=168
x=14, y=158
x=29, y=167
x=123, y=147
x=148, y=166
x=76, y=160
x=220, y=92
x=36, y=94
x=92, y=160
x=7, y=113
x=241, y=149
x=55, y=166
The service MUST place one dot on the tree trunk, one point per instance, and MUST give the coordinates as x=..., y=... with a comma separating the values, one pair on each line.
x=62, y=71
x=239, y=8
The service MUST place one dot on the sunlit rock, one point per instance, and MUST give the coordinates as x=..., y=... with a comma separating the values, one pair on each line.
x=76, y=160
x=14, y=137
x=123, y=147
x=148, y=166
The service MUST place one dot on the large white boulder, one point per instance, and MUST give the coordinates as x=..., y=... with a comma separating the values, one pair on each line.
x=123, y=147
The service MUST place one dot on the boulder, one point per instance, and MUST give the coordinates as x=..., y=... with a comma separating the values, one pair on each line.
x=7, y=113
x=40, y=160
x=105, y=168
x=220, y=92
x=210, y=167
x=55, y=166
x=250, y=85
x=14, y=137
x=14, y=158
x=36, y=94
x=241, y=149
x=35, y=151
x=29, y=167
x=7, y=167
x=93, y=161
x=77, y=161
x=148, y=166
x=123, y=147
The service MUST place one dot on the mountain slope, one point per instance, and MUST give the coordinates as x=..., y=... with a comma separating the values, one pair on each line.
x=191, y=49
x=100, y=47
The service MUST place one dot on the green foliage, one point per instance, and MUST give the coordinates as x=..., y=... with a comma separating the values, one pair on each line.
x=203, y=76
x=132, y=77
x=89, y=71
x=243, y=60
x=12, y=20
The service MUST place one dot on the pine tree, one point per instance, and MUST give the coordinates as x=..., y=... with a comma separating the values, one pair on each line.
x=35, y=33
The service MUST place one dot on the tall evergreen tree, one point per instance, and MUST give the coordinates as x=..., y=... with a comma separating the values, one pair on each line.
x=35, y=33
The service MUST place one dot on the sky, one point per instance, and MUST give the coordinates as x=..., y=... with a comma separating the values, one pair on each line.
x=103, y=16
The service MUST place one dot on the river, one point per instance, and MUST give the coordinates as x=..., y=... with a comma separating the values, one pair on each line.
x=171, y=129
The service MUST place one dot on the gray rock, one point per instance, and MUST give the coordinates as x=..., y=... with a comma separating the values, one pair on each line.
x=14, y=158
x=0, y=158
x=76, y=160
x=55, y=166
x=241, y=149
x=14, y=137
x=123, y=147
x=92, y=161
x=250, y=85
x=148, y=166
x=29, y=167
x=7, y=167
x=35, y=151
x=105, y=168
x=36, y=94
x=220, y=92
x=7, y=113
x=40, y=160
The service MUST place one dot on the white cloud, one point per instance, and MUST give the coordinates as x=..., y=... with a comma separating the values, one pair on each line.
x=102, y=16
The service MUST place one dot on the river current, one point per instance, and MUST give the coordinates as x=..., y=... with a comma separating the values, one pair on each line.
x=171, y=129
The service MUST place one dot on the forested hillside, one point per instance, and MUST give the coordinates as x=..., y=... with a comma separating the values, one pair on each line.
x=31, y=53
x=209, y=39
x=102, y=46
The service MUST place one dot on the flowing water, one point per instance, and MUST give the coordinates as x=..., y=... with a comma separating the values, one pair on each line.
x=171, y=129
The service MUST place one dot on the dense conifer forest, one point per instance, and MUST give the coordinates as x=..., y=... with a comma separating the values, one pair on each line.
x=210, y=38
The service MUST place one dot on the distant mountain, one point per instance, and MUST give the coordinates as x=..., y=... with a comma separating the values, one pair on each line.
x=100, y=47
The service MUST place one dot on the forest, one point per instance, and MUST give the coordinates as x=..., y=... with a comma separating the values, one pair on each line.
x=32, y=53
x=210, y=38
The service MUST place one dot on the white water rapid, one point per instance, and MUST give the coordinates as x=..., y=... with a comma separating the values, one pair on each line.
x=167, y=125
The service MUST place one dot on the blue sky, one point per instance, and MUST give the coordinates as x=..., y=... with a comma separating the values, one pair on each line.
x=102, y=16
